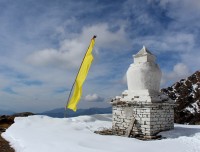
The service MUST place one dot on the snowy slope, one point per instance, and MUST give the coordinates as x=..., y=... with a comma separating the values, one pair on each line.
x=186, y=94
x=46, y=134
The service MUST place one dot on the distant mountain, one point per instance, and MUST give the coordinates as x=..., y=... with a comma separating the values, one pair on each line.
x=6, y=112
x=59, y=113
x=186, y=94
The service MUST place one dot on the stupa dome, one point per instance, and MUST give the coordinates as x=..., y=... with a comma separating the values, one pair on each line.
x=144, y=73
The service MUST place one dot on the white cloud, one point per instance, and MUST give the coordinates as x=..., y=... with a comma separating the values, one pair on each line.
x=106, y=38
x=71, y=51
x=192, y=59
x=180, y=71
x=183, y=10
x=93, y=98
x=138, y=11
x=68, y=55
x=170, y=42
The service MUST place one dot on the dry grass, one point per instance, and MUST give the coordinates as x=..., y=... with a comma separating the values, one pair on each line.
x=4, y=145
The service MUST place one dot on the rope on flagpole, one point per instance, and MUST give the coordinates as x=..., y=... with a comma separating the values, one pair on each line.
x=65, y=113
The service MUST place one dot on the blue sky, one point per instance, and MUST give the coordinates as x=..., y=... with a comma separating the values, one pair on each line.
x=42, y=44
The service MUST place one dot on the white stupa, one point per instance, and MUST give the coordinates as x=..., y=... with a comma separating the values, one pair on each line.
x=142, y=109
x=143, y=78
x=144, y=74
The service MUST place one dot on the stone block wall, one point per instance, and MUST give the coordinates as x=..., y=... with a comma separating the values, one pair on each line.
x=151, y=118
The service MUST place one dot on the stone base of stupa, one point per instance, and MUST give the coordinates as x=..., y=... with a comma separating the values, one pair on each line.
x=146, y=115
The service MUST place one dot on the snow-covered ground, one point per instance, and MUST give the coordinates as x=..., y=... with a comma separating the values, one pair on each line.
x=46, y=134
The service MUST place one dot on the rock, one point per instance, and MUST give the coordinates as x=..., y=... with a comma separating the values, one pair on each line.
x=2, y=129
x=23, y=114
x=6, y=120
x=186, y=94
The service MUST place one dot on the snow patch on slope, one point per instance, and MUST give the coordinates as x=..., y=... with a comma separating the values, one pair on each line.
x=193, y=108
x=194, y=86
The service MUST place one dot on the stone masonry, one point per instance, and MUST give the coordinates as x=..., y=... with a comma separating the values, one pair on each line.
x=151, y=118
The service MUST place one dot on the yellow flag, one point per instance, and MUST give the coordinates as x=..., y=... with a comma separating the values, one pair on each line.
x=87, y=61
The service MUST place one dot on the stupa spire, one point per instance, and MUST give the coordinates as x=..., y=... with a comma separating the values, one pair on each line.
x=144, y=55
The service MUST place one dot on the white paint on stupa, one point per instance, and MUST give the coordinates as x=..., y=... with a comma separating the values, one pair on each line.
x=143, y=101
x=144, y=75
x=143, y=78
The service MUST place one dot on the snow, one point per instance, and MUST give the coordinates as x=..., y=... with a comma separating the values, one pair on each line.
x=196, y=107
x=46, y=134
x=192, y=95
x=194, y=86
x=184, y=82
x=193, y=108
x=190, y=109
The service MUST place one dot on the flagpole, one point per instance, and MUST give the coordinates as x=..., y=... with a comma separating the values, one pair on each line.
x=65, y=113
